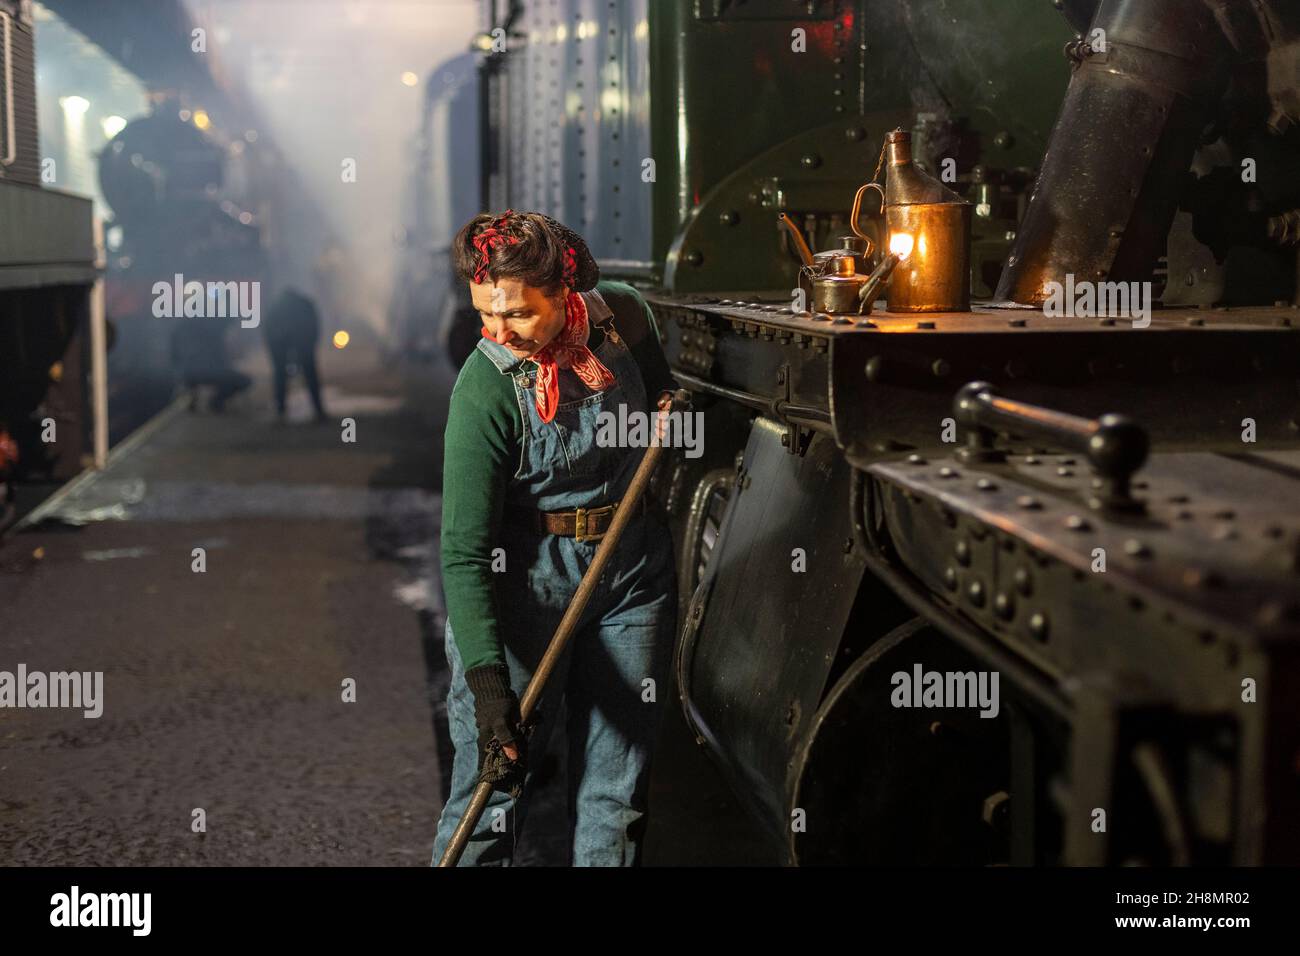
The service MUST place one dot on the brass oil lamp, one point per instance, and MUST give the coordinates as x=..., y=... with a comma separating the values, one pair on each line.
x=928, y=220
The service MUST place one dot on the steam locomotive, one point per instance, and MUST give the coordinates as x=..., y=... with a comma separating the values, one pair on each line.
x=1088, y=522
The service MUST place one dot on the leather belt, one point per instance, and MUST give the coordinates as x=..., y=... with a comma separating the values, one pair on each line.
x=581, y=524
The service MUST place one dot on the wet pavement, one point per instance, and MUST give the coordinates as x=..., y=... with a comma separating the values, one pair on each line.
x=223, y=688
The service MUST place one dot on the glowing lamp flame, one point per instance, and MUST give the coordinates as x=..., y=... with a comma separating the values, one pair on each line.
x=341, y=339
x=901, y=244
x=112, y=125
x=74, y=105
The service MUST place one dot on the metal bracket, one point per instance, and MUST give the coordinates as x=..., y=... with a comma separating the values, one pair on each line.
x=769, y=193
x=795, y=438
x=712, y=10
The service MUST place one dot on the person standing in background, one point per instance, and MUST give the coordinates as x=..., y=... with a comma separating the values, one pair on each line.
x=292, y=327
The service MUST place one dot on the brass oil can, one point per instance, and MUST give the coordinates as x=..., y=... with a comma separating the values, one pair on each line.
x=935, y=276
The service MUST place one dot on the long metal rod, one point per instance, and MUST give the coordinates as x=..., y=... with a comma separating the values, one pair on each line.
x=568, y=624
x=806, y=415
x=99, y=351
x=11, y=137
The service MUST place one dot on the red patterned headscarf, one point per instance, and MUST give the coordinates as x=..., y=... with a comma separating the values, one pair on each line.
x=569, y=347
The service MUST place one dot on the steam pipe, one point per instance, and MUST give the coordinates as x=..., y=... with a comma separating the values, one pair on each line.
x=1149, y=77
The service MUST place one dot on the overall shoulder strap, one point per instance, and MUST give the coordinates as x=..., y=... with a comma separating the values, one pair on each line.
x=634, y=325
x=629, y=319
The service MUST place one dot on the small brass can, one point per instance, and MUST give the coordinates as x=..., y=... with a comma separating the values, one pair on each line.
x=936, y=276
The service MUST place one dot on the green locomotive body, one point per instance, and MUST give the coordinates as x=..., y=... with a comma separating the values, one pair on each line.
x=891, y=496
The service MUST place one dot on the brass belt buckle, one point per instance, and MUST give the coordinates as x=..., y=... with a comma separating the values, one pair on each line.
x=580, y=517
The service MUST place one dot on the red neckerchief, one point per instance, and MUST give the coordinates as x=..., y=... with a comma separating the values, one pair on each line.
x=567, y=350
x=569, y=347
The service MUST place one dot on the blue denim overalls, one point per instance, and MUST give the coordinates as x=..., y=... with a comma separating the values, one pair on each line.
x=615, y=669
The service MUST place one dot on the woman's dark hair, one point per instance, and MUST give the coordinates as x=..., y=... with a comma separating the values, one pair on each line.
x=537, y=259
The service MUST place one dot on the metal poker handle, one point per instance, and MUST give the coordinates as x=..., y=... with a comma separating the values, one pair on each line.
x=568, y=624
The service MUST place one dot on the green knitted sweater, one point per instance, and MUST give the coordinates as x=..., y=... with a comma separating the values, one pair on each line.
x=481, y=453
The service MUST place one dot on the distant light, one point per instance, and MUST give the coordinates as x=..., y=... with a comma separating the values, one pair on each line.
x=112, y=125
x=341, y=339
x=561, y=33
x=900, y=244
x=236, y=148
x=483, y=42
x=201, y=119
x=74, y=105
x=246, y=218
x=251, y=136
x=410, y=79
x=185, y=115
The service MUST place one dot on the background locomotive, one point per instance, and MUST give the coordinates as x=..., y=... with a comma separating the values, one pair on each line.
x=858, y=512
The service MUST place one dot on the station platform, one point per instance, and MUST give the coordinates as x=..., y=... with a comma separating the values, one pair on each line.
x=223, y=687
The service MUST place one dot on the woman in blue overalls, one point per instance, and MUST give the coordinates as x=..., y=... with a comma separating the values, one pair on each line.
x=527, y=493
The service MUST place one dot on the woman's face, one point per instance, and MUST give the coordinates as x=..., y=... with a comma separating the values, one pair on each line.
x=520, y=317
